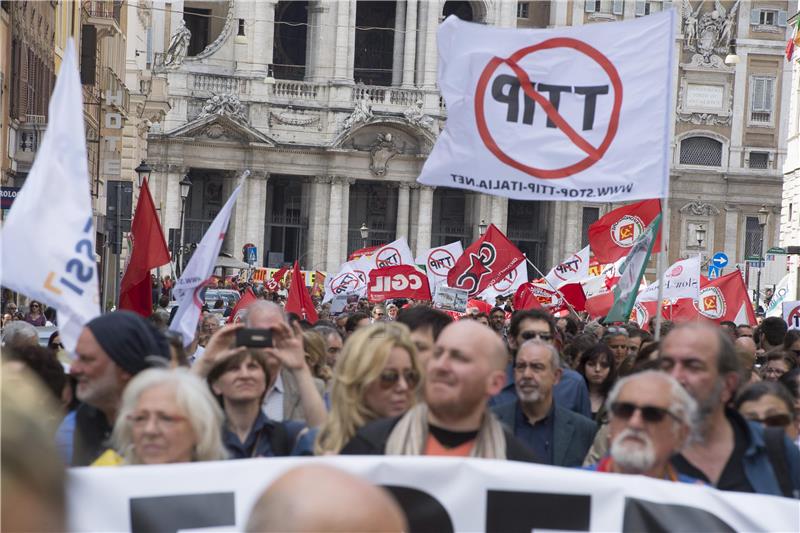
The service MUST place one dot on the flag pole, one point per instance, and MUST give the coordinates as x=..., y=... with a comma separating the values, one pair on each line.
x=660, y=262
x=574, y=312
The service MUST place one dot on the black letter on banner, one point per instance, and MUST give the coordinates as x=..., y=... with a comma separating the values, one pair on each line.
x=555, y=96
x=641, y=515
x=168, y=514
x=590, y=103
x=423, y=512
x=511, y=98
x=525, y=511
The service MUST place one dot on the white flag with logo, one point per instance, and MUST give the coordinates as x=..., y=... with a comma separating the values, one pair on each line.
x=188, y=289
x=553, y=114
x=438, y=261
x=506, y=286
x=573, y=268
x=681, y=280
x=778, y=297
x=47, y=240
x=352, y=278
x=392, y=254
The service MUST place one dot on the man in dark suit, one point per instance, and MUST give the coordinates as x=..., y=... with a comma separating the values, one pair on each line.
x=556, y=435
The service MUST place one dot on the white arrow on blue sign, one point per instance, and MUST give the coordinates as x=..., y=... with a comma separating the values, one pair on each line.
x=720, y=259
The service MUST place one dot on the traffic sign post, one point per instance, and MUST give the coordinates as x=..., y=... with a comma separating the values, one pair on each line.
x=720, y=260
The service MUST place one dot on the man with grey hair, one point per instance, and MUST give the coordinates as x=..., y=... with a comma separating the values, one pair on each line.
x=333, y=343
x=19, y=333
x=556, y=435
x=725, y=450
x=651, y=417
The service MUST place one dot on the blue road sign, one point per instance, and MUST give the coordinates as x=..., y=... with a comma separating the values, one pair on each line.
x=713, y=272
x=719, y=260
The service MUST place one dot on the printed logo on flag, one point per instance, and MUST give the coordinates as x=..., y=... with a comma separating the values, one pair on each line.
x=626, y=230
x=676, y=271
x=440, y=262
x=479, y=265
x=388, y=256
x=711, y=303
x=640, y=315
x=564, y=270
x=347, y=282
x=507, y=282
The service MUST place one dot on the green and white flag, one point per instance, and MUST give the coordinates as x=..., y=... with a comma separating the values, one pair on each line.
x=631, y=273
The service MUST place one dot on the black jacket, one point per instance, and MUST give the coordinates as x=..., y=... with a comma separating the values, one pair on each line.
x=371, y=440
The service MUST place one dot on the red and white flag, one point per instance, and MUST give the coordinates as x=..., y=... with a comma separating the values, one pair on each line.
x=486, y=262
x=573, y=268
x=681, y=280
x=721, y=299
x=399, y=281
x=395, y=253
x=438, y=261
x=506, y=286
x=612, y=236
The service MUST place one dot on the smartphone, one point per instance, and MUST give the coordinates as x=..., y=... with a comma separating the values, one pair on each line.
x=254, y=338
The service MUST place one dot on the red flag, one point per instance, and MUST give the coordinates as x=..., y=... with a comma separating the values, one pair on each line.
x=525, y=298
x=612, y=236
x=721, y=299
x=486, y=261
x=299, y=301
x=149, y=251
x=244, y=302
x=361, y=252
x=397, y=281
x=598, y=306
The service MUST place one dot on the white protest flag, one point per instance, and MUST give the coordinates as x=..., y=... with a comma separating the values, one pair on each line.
x=438, y=261
x=681, y=280
x=506, y=286
x=539, y=114
x=395, y=253
x=778, y=297
x=573, y=268
x=352, y=278
x=188, y=287
x=47, y=238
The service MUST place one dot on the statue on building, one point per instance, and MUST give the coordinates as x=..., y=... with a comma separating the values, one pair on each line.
x=178, y=45
x=710, y=33
x=361, y=113
x=381, y=151
x=224, y=104
x=417, y=117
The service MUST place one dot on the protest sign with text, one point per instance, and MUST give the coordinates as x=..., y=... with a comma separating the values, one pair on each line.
x=554, y=114
x=400, y=281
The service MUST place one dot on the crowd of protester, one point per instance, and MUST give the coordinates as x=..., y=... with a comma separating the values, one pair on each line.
x=707, y=403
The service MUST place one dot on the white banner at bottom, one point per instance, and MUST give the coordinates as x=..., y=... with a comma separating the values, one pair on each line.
x=437, y=494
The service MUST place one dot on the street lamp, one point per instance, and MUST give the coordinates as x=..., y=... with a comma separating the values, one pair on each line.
x=143, y=171
x=732, y=58
x=482, y=227
x=700, y=235
x=185, y=185
x=763, y=213
x=364, y=234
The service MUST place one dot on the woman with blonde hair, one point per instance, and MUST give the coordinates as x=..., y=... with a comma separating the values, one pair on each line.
x=168, y=416
x=376, y=376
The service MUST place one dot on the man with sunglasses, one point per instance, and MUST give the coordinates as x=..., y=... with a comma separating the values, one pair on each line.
x=650, y=418
x=726, y=450
x=571, y=391
x=556, y=435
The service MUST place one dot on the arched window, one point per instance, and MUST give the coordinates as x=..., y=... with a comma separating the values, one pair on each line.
x=703, y=151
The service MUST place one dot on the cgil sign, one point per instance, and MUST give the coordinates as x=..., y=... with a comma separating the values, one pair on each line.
x=401, y=281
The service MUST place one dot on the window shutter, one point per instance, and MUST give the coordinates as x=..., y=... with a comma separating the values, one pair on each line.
x=782, y=17
x=769, y=86
x=640, y=8
x=757, y=103
x=589, y=6
x=755, y=16
x=88, y=54
x=617, y=7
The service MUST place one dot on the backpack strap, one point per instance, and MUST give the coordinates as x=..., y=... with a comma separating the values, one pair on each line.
x=773, y=438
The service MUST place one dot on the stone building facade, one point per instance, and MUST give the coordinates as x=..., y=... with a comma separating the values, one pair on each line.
x=334, y=107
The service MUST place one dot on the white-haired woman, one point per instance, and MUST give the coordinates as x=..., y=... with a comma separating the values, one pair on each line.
x=168, y=416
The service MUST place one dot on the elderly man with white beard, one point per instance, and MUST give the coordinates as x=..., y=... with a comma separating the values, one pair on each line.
x=651, y=417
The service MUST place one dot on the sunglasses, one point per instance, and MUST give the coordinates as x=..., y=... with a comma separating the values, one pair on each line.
x=650, y=413
x=778, y=420
x=389, y=378
x=528, y=335
x=616, y=330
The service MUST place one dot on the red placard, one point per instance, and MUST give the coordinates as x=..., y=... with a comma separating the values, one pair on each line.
x=399, y=281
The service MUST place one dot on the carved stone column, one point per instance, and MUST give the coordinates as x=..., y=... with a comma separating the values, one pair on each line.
x=335, y=222
x=499, y=213
x=318, y=222
x=320, y=43
x=403, y=206
x=399, y=38
x=425, y=218
x=171, y=208
x=410, y=43
x=346, y=183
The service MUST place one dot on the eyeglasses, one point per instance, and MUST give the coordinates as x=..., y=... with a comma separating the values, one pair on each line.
x=389, y=378
x=777, y=420
x=535, y=367
x=616, y=330
x=650, y=413
x=528, y=335
x=162, y=420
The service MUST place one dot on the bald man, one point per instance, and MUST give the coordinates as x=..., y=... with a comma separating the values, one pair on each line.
x=466, y=369
x=323, y=498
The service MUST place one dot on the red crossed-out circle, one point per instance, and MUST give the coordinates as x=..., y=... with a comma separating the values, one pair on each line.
x=594, y=153
x=386, y=252
x=441, y=253
x=792, y=314
x=507, y=282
